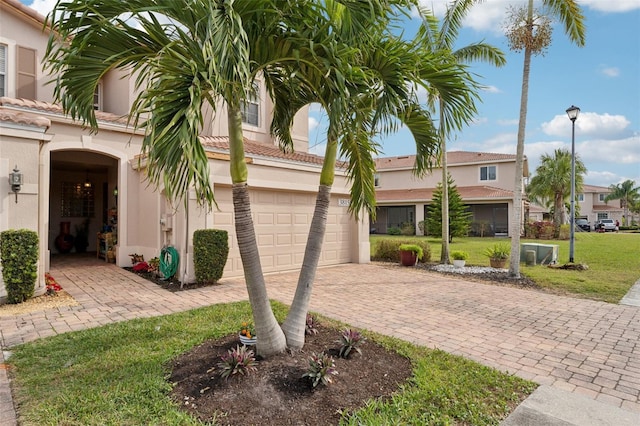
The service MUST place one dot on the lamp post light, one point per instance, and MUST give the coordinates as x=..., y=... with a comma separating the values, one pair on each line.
x=572, y=112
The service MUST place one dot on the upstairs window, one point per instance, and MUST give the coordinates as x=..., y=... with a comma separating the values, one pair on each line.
x=376, y=180
x=250, y=108
x=601, y=197
x=487, y=173
x=3, y=70
x=580, y=197
x=97, y=98
x=26, y=73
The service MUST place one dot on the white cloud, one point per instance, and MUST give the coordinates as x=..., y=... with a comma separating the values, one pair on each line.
x=604, y=178
x=315, y=107
x=43, y=7
x=491, y=89
x=610, y=71
x=620, y=151
x=588, y=125
x=611, y=5
x=313, y=123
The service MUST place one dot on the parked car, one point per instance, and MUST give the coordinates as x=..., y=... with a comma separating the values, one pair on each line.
x=583, y=224
x=605, y=225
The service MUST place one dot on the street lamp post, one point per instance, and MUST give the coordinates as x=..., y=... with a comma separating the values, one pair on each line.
x=572, y=112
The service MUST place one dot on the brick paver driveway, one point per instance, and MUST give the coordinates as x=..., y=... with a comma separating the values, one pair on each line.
x=587, y=347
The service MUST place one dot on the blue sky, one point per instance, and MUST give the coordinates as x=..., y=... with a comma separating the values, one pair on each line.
x=602, y=79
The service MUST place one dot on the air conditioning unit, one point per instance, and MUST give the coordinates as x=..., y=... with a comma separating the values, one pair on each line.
x=545, y=253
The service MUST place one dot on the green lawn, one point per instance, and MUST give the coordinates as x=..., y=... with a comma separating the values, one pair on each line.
x=613, y=260
x=115, y=375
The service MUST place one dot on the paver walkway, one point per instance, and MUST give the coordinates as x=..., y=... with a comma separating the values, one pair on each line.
x=582, y=346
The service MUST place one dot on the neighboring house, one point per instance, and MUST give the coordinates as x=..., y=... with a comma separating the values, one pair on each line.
x=70, y=174
x=590, y=205
x=484, y=180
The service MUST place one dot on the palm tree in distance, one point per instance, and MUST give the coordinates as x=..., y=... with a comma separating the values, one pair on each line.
x=628, y=194
x=551, y=185
x=530, y=31
x=440, y=38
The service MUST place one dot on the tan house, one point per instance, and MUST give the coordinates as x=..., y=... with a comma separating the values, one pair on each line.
x=590, y=206
x=70, y=175
x=484, y=180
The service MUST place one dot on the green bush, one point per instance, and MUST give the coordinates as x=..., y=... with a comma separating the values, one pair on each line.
x=19, y=257
x=387, y=250
x=408, y=228
x=210, y=252
x=394, y=230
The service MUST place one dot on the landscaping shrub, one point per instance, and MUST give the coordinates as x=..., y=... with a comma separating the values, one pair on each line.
x=542, y=230
x=210, y=252
x=387, y=250
x=563, y=233
x=19, y=257
x=408, y=228
x=394, y=230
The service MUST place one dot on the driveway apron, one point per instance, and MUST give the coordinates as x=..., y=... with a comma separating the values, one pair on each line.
x=576, y=345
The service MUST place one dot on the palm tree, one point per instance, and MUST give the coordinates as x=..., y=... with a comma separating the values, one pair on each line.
x=551, y=185
x=531, y=32
x=440, y=40
x=187, y=54
x=628, y=194
x=378, y=93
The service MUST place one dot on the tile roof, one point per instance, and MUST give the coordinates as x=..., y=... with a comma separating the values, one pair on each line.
x=26, y=10
x=593, y=188
x=426, y=194
x=18, y=117
x=48, y=107
x=453, y=157
x=265, y=150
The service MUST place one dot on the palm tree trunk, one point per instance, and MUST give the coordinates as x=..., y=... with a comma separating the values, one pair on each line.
x=444, y=255
x=514, y=261
x=271, y=339
x=294, y=325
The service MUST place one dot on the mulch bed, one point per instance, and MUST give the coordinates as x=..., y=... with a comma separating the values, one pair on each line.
x=276, y=393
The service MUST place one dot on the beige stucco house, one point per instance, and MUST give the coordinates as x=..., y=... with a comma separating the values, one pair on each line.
x=590, y=205
x=71, y=175
x=484, y=180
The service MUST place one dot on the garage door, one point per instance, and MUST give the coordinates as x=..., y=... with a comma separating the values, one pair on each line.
x=282, y=221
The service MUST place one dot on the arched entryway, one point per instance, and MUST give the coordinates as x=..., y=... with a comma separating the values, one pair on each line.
x=83, y=201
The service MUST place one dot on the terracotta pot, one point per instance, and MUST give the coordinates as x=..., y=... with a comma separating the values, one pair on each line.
x=408, y=258
x=497, y=263
x=64, y=241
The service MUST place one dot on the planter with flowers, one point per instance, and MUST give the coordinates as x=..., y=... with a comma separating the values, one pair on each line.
x=247, y=334
x=498, y=255
x=459, y=258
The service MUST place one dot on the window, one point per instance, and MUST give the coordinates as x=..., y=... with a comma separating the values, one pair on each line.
x=3, y=70
x=376, y=180
x=26, y=73
x=580, y=197
x=77, y=199
x=488, y=173
x=603, y=216
x=250, y=109
x=97, y=98
x=601, y=197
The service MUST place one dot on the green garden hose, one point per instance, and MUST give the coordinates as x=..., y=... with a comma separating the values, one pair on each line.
x=168, y=261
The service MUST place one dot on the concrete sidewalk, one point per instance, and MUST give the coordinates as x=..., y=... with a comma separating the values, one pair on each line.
x=588, y=349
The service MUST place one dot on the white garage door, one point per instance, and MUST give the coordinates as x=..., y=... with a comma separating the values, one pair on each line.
x=282, y=221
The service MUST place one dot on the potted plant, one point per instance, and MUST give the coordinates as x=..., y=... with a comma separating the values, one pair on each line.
x=459, y=258
x=409, y=254
x=247, y=334
x=498, y=255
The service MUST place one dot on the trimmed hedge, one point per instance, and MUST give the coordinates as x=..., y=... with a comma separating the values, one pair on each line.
x=387, y=250
x=210, y=252
x=19, y=257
